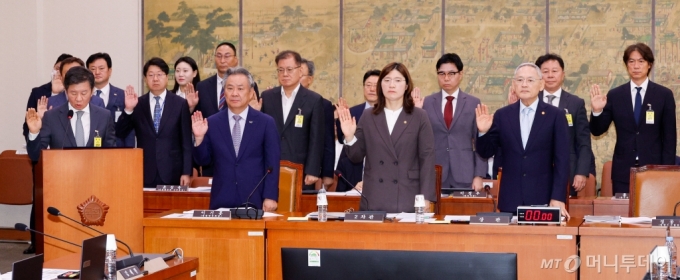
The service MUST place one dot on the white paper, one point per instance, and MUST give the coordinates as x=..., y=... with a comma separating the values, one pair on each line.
x=602, y=219
x=329, y=215
x=178, y=216
x=457, y=218
x=270, y=214
x=412, y=215
x=636, y=220
x=200, y=189
x=21, y=152
x=336, y=194
x=413, y=220
x=352, y=192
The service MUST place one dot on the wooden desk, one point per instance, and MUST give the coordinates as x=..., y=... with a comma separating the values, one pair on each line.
x=581, y=206
x=158, y=202
x=231, y=249
x=177, y=270
x=606, y=206
x=532, y=244
x=608, y=249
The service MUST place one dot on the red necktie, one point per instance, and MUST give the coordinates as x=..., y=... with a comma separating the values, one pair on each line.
x=448, y=111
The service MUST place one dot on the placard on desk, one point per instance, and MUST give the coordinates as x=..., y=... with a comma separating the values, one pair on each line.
x=172, y=188
x=490, y=220
x=212, y=214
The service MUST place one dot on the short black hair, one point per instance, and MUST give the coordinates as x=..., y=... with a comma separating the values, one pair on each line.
x=288, y=53
x=227, y=44
x=70, y=60
x=450, y=58
x=158, y=62
x=77, y=75
x=310, y=67
x=644, y=50
x=62, y=57
x=547, y=57
x=99, y=55
x=372, y=72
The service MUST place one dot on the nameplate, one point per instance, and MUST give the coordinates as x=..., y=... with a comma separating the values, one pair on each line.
x=665, y=223
x=365, y=217
x=212, y=214
x=470, y=193
x=621, y=196
x=130, y=272
x=490, y=220
x=172, y=188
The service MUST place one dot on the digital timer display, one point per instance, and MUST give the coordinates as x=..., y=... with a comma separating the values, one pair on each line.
x=538, y=215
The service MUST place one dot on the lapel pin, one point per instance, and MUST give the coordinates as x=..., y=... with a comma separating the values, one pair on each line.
x=542, y=112
x=250, y=121
x=404, y=122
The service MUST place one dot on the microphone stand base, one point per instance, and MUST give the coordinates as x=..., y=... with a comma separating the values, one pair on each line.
x=251, y=213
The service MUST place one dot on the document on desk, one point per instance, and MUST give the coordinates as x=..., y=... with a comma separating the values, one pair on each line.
x=636, y=220
x=329, y=215
x=457, y=218
x=179, y=216
x=200, y=189
x=602, y=219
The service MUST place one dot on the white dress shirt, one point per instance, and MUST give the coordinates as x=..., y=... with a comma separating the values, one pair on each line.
x=391, y=117
x=557, y=94
x=242, y=121
x=287, y=102
x=152, y=102
x=105, y=93
x=367, y=105
x=85, y=121
x=182, y=94
x=455, y=97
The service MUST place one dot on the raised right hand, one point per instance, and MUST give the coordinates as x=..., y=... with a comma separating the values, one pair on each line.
x=256, y=104
x=199, y=126
x=130, y=98
x=484, y=119
x=42, y=106
x=597, y=99
x=57, y=84
x=348, y=124
x=512, y=96
x=342, y=103
x=33, y=120
x=192, y=97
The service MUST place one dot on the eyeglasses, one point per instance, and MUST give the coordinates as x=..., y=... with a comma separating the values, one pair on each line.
x=447, y=74
x=219, y=56
x=286, y=70
x=529, y=81
x=153, y=76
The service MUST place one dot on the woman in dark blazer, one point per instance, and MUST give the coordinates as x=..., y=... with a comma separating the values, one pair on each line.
x=396, y=139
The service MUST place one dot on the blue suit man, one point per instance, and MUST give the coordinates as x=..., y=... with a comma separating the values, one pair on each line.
x=116, y=105
x=243, y=144
x=531, y=135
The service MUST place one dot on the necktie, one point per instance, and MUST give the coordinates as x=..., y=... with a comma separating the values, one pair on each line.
x=638, y=105
x=80, y=132
x=157, y=113
x=550, y=98
x=99, y=92
x=526, y=125
x=222, y=99
x=448, y=111
x=236, y=134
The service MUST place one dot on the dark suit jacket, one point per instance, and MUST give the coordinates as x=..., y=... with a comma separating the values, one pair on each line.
x=534, y=175
x=57, y=133
x=353, y=172
x=36, y=94
x=652, y=143
x=60, y=99
x=454, y=147
x=240, y=174
x=399, y=165
x=303, y=145
x=580, y=151
x=208, y=106
x=328, y=162
x=168, y=152
x=117, y=103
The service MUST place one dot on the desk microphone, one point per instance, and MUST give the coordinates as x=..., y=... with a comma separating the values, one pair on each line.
x=487, y=189
x=67, y=131
x=22, y=227
x=258, y=212
x=120, y=264
x=339, y=174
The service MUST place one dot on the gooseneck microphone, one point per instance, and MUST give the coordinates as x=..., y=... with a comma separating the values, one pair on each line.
x=245, y=213
x=132, y=260
x=487, y=189
x=23, y=227
x=339, y=174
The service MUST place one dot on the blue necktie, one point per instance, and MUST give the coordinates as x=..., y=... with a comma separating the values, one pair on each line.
x=157, y=113
x=638, y=105
x=99, y=92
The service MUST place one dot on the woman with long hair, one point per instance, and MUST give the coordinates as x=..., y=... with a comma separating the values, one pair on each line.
x=186, y=72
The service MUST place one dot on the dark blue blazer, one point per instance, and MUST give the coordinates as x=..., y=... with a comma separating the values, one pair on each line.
x=36, y=94
x=239, y=174
x=168, y=152
x=57, y=133
x=117, y=103
x=60, y=99
x=328, y=142
x=652, y=143
x=534, y=175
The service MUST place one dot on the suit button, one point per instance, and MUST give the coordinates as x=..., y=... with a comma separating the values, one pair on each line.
x=381, y=162
x=282, y=138
x=395, y=181
x=396, y=163
x=525, y=156
x=380, y=180
x=524, y=174
x=638, y=133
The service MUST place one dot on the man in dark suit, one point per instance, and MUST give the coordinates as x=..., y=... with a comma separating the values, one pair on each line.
x=298, y=113
x=46, y=89
x=328, y=162
x=60, y=99
x=162, y=124
x=643, y=113
x=114, y=98
x=580, y=152
x=351, y=171
x=452, y=115
x=531, y=135
x=210, y=99
x=243, y=144
x=59, y=130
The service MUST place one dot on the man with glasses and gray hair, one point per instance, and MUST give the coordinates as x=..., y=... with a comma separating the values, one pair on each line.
x=243, y=144
x=531, y=136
